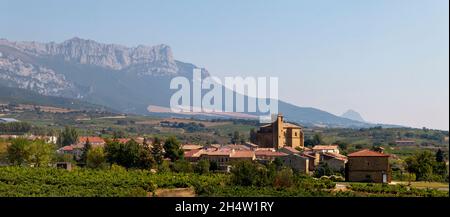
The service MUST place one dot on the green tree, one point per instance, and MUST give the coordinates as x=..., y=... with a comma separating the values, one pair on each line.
x=16, y=152
x=87, y=146
x=96, y=158
x=68, y=136
x=323, y=170
x=247, y=173
x=235, y=138
x=284, y=178
x=422, y=165
x=172, y=148
x=40, y=153
x=182, y=166
x=202, y=167
x=129, y=155
x=157, y=151
x=440, y=156
x=317, y=139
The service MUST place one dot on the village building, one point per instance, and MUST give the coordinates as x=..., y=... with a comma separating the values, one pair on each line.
x=368, y=166
x=306, y=152
x=335, y=161
x=267, y=156
x=279, y=134
x=326, y=149
x=297, y=162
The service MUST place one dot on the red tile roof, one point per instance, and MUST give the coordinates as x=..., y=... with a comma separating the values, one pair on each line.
x=123, y=140
x=293, y=150
x=192, y=153
x=367, y=153
x=242, y=154
x=67, y=148
x=92, y=139
x=191, y=147
x=335, y=155
x=269, y=153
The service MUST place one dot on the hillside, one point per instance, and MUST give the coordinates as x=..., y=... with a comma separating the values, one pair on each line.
x=9, y=95
x=123, y=78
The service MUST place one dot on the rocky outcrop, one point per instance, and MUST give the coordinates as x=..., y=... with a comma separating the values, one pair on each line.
x=142, y=60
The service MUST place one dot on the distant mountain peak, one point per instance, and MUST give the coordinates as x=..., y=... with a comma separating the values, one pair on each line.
x=353, y=115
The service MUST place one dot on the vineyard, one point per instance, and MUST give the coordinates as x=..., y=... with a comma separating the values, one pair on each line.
x=116, y=182
x=119, y=182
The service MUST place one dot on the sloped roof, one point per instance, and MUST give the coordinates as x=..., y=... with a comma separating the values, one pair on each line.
x=92, y=139
x=289, y=125
x=325, y=147
x=191, y=146
x=335, y=155
x=242, y=154
x=367, y=153
x=269, y=153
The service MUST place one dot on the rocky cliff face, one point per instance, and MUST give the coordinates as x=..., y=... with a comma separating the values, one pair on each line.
x=16, y=72
x=142, y=60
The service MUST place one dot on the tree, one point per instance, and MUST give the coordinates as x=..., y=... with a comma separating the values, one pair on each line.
x=129, y=155
x=323, y=170
x=235, y=137
x=95, y=158
x=182, y=166
x=422, y=165
x=37, y=153
x=86, y=148
x=342, y=145
x=202, y=167
x=40, y=153
x=440, y=156
x=157, y=151
x=284, y=178
x=117, y=134
x=317, y=139
x=172, y=148
x=16, y=152
x=68, y=136
x=247, y=173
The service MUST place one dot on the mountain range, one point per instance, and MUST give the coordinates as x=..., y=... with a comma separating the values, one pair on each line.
x=126, y=79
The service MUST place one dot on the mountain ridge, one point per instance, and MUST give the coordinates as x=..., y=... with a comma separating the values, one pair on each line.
x=116, y=76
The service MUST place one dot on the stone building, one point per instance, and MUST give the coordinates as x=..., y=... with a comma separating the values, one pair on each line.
x=368, y=166
x=279, y=134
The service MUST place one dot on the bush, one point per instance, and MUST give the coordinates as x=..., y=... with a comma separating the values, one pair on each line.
x=182, y=166
x=202, y=167
x=284, y=178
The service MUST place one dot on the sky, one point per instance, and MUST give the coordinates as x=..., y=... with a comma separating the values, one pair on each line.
x=386, y=59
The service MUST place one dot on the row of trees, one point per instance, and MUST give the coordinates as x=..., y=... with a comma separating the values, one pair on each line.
x=15, y=127
x=132, y=154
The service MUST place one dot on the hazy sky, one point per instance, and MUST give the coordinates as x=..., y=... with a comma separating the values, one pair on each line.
x=388, y=60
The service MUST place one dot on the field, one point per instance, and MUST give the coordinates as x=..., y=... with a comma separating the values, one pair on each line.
x=119, y=182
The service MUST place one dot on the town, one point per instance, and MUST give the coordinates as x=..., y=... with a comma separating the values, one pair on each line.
x=279, y=145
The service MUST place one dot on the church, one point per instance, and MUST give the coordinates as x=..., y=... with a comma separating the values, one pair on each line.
x=279, y=134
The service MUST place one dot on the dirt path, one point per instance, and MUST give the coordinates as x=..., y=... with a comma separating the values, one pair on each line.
x=174, y=192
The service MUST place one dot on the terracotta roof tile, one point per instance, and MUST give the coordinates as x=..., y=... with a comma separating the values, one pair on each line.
x=325, y=147
x=367, y=153
x=242, y=154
